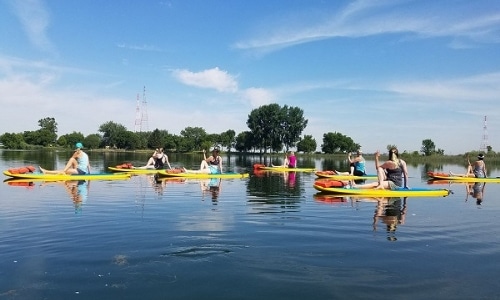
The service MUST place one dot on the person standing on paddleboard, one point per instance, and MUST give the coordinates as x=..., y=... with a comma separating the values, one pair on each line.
x=77, y=164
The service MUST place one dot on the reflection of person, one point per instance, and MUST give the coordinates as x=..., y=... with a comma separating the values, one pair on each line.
x=157, y=160
x=392, y=212
x=476, y=169
x=78, y=191
x=392, y=174
x=211, y=186
x=77, y=164
x=476, y=190
x=210, y=165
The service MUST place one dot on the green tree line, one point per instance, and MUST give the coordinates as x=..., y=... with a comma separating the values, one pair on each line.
x=271, y=129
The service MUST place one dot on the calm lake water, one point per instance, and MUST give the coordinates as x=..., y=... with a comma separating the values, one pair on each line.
x=264, y=237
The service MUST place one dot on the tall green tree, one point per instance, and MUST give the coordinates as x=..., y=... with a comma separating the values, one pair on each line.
x=243, y=141
x=428, y=147
x=13, y=141
x=273, y=127
x=48, y=124
x=293, y=124
x=193, y=138
x=111, y=133
x=227, y=139
x=70, y=139
x=92, y=141
x=334, y=142
x=157, y=138
x=307, y=144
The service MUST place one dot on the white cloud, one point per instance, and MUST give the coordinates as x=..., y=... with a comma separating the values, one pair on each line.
x=211, y=78
x=368, y=18
x=35, y=19
x=258, y=96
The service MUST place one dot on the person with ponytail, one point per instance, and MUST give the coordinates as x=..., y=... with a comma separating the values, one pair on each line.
x=392, y=174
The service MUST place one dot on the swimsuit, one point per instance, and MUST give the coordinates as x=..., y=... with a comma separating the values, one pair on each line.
x=359, y=168
x=479, y=171
x=395, y=176
x=83, y=163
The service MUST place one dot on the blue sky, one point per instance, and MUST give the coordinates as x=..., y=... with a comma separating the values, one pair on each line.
x=381, y=72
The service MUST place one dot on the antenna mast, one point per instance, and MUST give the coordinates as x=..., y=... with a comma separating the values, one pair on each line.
x=137, y=124
x=144, y=114
x=484, y=144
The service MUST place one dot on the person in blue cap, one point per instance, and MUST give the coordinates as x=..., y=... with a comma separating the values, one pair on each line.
x=77, y=164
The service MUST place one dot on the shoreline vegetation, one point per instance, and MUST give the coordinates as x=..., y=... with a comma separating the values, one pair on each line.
x=490, y=157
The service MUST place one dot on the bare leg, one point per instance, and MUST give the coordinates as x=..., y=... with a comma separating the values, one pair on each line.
x=70, y=168
x=203, y=168
x=51, y=171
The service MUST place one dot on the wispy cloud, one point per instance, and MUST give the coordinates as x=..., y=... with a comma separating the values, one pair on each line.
x=35, y=20
x=367, y=18
x=140, y=47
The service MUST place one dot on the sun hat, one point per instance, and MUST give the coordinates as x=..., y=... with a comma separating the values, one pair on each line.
x=78, y=145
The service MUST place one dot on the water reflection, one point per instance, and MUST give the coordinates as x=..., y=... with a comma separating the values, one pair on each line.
x=212, y=187
x=390, y=212
x=78, y=190
x=476, y=190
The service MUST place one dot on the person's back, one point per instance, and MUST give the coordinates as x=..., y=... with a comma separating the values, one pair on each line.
x=83, y=161
x=395, y=174
x=479, y=168
x=360, y=167
x=292, y=160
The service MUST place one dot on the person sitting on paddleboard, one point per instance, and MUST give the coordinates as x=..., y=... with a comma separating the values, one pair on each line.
x=210, y=165
x=157, y=160
x=392, y=174
x=292, y=160
x=357, y=164
x=285, y=164
x=477, y=169
x=77, y=164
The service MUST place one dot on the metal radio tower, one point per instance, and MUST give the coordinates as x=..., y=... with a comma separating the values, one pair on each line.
x=141, y=114
x=484, y=143
x=144, y=112
x=137, y=124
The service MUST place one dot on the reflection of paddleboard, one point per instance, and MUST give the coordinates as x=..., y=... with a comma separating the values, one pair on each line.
x=444, y=176
x=413, y=192
x=57, y=177
x=329, y=198
x=133, y=170
x=285, y=169
x=188, y=174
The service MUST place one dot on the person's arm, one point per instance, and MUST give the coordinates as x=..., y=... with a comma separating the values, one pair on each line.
x=168, y=163
x=377, y=163
x=220, y=164
x=349, y=158
x=405, y=173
